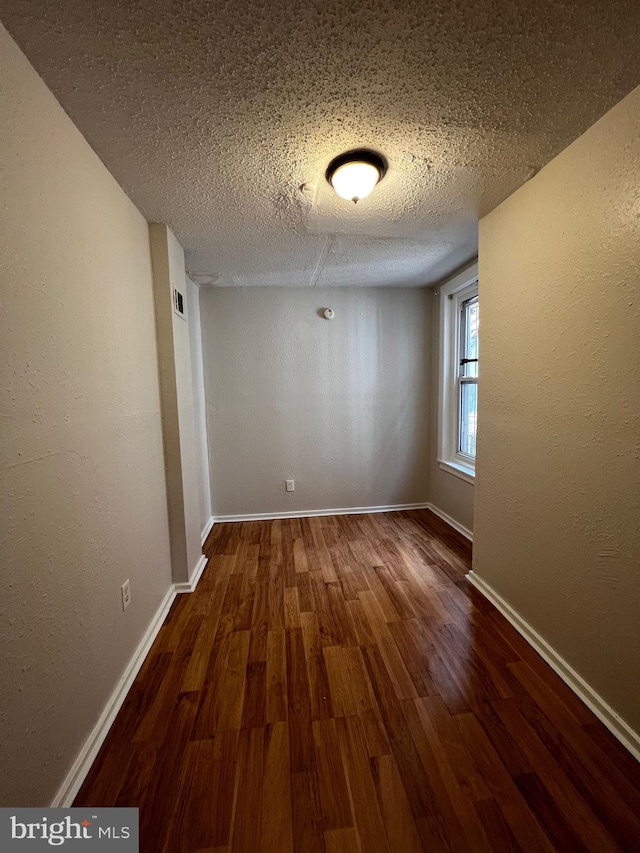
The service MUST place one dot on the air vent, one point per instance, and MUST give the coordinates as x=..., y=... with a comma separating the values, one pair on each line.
x=178, y=303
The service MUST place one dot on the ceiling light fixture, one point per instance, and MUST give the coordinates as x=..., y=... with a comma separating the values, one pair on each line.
x=354, y=175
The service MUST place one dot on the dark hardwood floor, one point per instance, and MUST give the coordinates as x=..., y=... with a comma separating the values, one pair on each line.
x=334, y=684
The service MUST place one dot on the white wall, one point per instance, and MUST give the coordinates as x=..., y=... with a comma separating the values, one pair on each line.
x=199, y=405
x=557, y=508
x=82, y=487
x=179, y=425
x=341, y=406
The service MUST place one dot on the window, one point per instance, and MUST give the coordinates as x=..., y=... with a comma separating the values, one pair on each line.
x=468, y=376
x=459, y=354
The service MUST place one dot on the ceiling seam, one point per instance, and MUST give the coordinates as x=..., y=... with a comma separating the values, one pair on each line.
x=328, y=244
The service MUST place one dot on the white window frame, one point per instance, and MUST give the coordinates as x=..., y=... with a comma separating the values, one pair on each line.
x=452, y=294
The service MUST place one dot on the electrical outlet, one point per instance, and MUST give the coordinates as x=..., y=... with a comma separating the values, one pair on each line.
x=291, y=485
x=125, y=589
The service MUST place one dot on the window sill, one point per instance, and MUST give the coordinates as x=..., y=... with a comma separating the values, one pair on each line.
x=458, y=470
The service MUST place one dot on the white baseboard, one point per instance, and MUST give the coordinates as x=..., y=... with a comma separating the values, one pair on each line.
x=468, y=534
x=206, y=530
x=189, y=586
x=603, y=711
x=81, y=766
x=354, y=510
x=312, y=513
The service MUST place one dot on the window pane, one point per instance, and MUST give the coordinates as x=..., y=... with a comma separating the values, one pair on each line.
x=470, y=343
x=468, y=418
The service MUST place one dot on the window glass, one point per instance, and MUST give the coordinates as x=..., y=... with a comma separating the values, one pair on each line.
x=468, y=382
x=471, y=337
x=468, y=418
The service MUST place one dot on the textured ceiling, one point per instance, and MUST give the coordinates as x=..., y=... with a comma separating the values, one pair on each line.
x=220, y=119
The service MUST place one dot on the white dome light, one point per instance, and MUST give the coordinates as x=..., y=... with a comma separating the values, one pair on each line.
x=354, y=181
x=354, y=175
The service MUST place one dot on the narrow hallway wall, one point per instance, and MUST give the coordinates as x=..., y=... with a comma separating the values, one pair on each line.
x=83, y=490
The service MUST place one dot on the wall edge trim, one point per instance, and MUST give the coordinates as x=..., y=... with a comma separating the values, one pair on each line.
x=206, y=530
x=468, y=534
x=189, y=586
x=314, y=513
x=621, y=730
x=75, y=777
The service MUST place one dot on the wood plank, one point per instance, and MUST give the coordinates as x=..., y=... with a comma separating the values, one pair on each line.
x=527, y=831
x=362, y=630
x=402, y=832
x=400, y=593
x=203, y=809
x=414, y=777
x=158, y=798
x=299, y=706
x=374, y=735
x=291, y=609
x=337, y=605
x=342, y=840
x=403, y=685
x=154, y=724
x=105, y=781
x=260, y=617
x=568, y=802
x=194, y=676
x=276, y=677
x=334, y=794
x=277, y=821
x=377, y=591
x=321, y=708
x=221, y=707
x=308, y=836
x=594, y=775
x=456, y=808
x=445, y=735
x=230, y=606
x=247, y=819
x=300, y=556
x=305, y=594
x=140, y=777
x=416, y=660
x=322, y=552
x=561, y=834
x=276, y=595
x=330, y=633
x=568, y=720
x=495, y=827
x=364, y=802
x=254, y=710
x=358, y=680
x=342, y=699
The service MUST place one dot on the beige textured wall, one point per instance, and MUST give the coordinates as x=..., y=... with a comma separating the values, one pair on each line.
x=341, y=406
x=557, y=506
x=177, y=397
x=82, y=487
x=186, y=411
